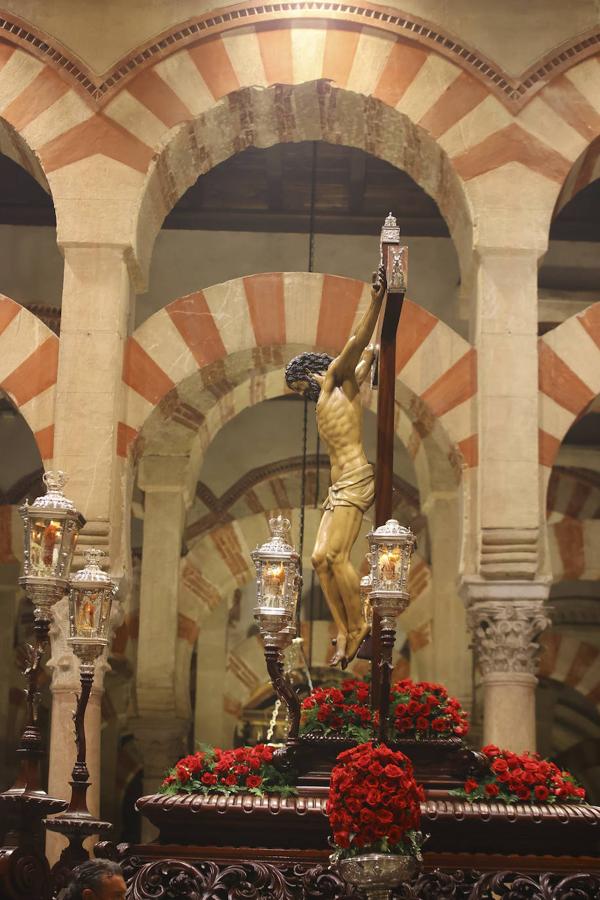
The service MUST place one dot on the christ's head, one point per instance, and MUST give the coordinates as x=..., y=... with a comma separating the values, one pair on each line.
x=300, y=371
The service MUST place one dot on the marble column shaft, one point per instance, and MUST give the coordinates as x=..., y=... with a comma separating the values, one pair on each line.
x=95, y=317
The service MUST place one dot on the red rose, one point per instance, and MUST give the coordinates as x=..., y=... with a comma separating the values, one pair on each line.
x=182, y=773
x=254, y=781
x=541, y=792
x=491, y=750
x=499, y=765
x=492, y=790
x=470, y=786
x=209, y=778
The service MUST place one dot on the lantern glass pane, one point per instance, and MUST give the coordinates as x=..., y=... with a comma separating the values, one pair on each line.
x=389, y=564
x=274, y=583
x=90, y=611
x=45, y=546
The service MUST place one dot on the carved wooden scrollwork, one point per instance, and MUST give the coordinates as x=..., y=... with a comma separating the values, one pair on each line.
x=172, y=879
x=515, y=886
x=23, y=874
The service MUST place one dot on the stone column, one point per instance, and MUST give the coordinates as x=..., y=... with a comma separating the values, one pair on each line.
x=97, y=309
x=506, y=338
x=504, y=584
x=211, y=666
x=506, y=620
x=96, y=312
x=452, y=662
x=158, y=728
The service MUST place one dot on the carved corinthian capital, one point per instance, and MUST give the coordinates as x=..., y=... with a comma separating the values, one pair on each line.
x=505, y=634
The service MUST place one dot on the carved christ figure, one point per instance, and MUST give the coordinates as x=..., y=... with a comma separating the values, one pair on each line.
x=334, y=385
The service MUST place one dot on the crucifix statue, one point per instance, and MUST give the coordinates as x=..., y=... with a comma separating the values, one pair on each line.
x=334, y=384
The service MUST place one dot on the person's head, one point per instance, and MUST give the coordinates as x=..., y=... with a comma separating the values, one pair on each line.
x=300, y=371
x=96, y=879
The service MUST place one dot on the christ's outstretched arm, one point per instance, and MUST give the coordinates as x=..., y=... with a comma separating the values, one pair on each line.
x=345, y=364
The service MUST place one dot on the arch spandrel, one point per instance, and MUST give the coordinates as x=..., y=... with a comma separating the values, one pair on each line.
x=28, y=370
x=569, y=377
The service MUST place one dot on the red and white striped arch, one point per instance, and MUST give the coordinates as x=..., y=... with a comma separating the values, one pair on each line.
x=28, y=367
x=259, y=315
x=569, y=378
x=573, y=662
x=574, y=494
x=573, y=545
x=585, y=170
x=142, y=142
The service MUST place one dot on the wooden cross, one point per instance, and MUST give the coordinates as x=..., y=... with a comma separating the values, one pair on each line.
x=395, y=259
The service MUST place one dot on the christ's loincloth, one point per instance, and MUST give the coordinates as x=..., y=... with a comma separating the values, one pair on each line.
x=354, y=488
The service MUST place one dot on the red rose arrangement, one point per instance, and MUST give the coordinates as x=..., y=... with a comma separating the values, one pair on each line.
x=339, y=712
x=522, y=777
x=374, y=803
x=246, y=770
x=422, y=709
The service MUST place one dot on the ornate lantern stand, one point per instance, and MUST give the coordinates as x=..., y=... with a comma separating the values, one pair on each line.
x=391, y=547
x=278, y=583
x=52, y=524
x=90, y=602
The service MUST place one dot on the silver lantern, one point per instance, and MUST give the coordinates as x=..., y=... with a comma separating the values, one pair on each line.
x=391, y=547
x=277, y=580
x=90, y=601
x=52, y=525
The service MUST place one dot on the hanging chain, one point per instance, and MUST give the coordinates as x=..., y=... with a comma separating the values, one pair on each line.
x=311, y=225
x=273, y=721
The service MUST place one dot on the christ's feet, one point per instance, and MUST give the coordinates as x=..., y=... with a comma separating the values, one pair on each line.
x=353, y=641
x=339, y=655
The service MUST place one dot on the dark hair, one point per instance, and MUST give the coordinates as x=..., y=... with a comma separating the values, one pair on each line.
x=90, y=875
x=302, y=367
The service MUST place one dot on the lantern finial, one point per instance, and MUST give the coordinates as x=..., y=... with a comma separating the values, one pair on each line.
x=280, y=527
x=54, y=481
x=94, y=556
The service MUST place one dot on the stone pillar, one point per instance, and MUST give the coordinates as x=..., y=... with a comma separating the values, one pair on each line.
x=506, y=339
x=452, y=662
x=506, y=620
x=96, y=312
x=211, y=663
x=97, y=309
x=158, y=728
x=503, y=581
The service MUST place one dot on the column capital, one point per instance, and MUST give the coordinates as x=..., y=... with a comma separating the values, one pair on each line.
x=162, y=741
x=167, y=475
x=505, y=634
